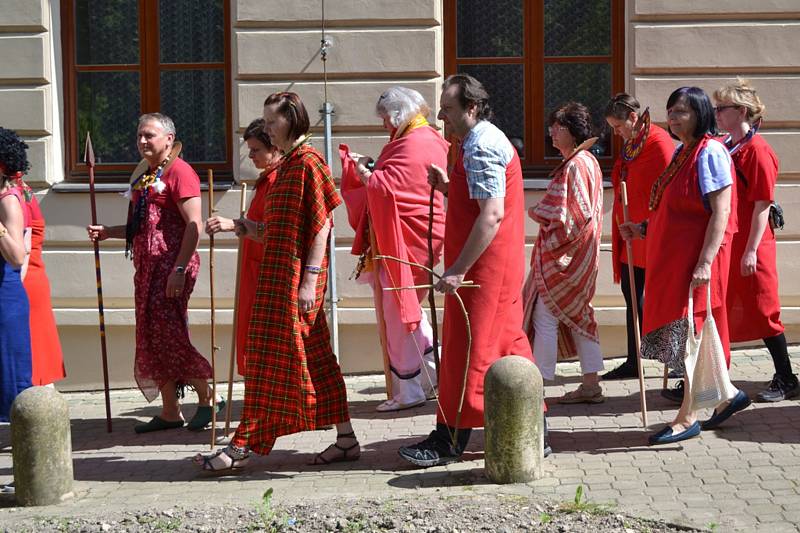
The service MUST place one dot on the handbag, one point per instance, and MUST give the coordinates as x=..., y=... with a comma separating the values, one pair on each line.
x=709, y=381
x=775, y=216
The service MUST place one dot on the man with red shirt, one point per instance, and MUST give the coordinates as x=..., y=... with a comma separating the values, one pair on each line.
x=162, y=232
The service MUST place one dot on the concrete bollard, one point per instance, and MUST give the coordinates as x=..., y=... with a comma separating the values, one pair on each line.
x=41, y=447
x=514, y=421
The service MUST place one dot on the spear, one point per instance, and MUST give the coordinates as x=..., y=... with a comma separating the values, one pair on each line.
x=214, y=347
x=88, y=158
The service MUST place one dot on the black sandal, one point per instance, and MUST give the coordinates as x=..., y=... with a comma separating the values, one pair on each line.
x=345, y=456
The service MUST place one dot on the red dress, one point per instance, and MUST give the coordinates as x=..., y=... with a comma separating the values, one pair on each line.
x=640, y=173
x=754, y=308
x=252, y=254
x=48, y=361
x=293, y=381
x=495, y=309
x=675, y=235
x=164, y=351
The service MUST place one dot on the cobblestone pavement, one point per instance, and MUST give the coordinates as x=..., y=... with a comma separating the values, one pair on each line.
x=743, y=476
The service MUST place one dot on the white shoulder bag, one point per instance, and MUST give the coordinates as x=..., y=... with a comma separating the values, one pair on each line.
x=709, y=381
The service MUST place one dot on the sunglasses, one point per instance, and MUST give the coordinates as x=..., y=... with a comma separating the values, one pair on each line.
x=721, y=108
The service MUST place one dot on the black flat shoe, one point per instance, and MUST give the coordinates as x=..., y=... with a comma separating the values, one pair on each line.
x=674, y=394
x=739, y=402
x=666, y=436
x=623, y=371
x=158, y=424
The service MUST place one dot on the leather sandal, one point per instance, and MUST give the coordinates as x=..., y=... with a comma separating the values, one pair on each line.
x=345, y=455
x=205, y=462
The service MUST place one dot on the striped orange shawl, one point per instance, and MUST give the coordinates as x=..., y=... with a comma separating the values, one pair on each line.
x=564, y=262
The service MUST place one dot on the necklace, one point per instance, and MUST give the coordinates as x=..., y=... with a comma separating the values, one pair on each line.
x=152, y=179
x=666, y=177
x=634, y=146
x=738, y=145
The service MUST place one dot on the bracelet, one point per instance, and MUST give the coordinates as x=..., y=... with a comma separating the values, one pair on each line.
x=260, y=229
x=313, y=269
x=180, y=270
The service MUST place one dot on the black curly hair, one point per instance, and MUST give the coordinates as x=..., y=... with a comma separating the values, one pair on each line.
x=13, y=152
x=576, y=118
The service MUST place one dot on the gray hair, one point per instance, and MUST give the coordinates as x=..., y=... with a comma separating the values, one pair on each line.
x=164, y=120
x=401, y=104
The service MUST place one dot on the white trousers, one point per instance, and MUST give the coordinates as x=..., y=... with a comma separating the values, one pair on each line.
x=545, y=344
x=413, y=378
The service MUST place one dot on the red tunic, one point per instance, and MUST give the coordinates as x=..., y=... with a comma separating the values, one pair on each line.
x=48, y=361
x=495, y=309
x=675, y=237
x=293, y=381
x=754, y=308
x=641, y=172
x=252, y=254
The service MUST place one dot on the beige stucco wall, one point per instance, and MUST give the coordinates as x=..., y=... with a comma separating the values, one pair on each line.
x=376, y=44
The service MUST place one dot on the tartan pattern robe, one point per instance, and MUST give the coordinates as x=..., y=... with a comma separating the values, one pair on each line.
x=293, y=382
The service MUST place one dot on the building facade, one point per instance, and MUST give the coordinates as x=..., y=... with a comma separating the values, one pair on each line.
x=75, y=66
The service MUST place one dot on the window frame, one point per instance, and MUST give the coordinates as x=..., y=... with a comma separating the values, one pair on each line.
x=535, y=163
x=150, y=68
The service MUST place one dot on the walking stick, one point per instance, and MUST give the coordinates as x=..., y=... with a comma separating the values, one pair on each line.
x=88, y=158
x=214, y=348
x=635, y=305
x=431, y=295
x=228, y=407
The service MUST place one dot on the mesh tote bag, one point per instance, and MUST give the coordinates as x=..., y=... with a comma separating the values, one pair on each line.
x=709, y=382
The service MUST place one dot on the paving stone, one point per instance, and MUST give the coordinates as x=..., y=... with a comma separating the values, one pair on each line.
x=727, y=477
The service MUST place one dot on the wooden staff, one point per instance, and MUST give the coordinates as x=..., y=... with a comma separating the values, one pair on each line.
x=214, y=347
x=431, y=295
x=228, y=407
x=89, y=160
x=634, y=305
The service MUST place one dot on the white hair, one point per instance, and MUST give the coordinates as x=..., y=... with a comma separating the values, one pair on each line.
x=164, y=120
x=401, y=104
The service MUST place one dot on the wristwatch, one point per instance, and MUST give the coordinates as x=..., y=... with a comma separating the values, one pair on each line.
x=180, y=270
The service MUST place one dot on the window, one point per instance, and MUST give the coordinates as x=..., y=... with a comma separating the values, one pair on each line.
x=123, y=58
x=534, y=55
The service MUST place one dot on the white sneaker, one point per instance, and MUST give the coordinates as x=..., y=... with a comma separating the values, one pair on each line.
x=394, y=405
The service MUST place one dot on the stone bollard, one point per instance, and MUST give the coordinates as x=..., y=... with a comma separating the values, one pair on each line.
x=514, y=421
x=41, y=447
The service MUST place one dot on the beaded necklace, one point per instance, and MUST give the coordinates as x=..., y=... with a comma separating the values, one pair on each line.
x=666, y=177
x=634, y=146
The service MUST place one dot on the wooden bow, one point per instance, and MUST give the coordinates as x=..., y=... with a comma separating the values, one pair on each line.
x=454, y=435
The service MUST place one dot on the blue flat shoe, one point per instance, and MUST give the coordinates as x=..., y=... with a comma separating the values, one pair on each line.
x=739, y=402
x=666, y=436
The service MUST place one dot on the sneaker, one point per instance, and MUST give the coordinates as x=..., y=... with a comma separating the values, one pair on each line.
x=675, y=394
x=623, y=371
x=432, y=451
x=780, y=389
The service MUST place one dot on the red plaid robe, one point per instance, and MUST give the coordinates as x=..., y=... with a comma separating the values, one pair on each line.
x=293, y=382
